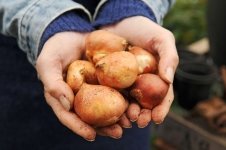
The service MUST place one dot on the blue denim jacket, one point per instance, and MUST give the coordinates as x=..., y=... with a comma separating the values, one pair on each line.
x=26, y=20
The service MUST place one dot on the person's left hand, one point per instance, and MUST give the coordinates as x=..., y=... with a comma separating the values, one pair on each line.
x=143, y=32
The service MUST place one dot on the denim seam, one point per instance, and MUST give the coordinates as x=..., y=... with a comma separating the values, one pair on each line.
x=22, y=27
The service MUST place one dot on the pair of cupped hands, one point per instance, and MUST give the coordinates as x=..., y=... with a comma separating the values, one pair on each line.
x=65, y=47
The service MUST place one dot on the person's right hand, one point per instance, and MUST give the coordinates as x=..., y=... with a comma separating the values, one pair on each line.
x=145, y=33
x=57, y=53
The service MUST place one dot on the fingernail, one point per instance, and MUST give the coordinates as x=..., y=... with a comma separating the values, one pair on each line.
x=127, y=126
x=142, y=126
x=38, y=76
x=116, y=137
x=65, y=102
x=159, y=122
x=170, y=74
x=90, y=140
x=133, y=120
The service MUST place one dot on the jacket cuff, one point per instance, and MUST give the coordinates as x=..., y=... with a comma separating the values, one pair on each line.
x=116, y=10
x=35, y=20
x=69, y=21
x=158, y=7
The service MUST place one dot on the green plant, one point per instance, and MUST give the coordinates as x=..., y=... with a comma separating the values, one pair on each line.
x=187, y=20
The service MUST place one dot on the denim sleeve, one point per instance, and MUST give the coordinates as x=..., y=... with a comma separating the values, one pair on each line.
x=26, y=20
x=159, y=8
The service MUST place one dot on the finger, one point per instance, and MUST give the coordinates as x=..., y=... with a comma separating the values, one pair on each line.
x=144, y=118
x=71, y=120
x=167, y=52
x=124, y=122
x=133, y=111
x=114, y=131
x=159, y=112
x=51, y=74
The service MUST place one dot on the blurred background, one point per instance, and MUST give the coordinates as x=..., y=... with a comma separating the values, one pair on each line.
x=187, y=20
x=197, y=119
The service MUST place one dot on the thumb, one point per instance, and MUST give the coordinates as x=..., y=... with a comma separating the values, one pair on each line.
x=51, y=74
x=168, y=58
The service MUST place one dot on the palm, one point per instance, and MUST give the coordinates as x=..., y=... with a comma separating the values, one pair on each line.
x=141, y=31
x=58, y=52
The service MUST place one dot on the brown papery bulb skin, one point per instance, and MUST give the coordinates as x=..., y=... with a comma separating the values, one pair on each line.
x=146, y=61
x=149, y=90
x=100, y=43
x=79, y=72
x=117, y=70
x=99, y=105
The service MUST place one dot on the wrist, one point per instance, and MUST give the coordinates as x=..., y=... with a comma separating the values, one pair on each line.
x=137, y=29
x=69, y=21
x=64, y=47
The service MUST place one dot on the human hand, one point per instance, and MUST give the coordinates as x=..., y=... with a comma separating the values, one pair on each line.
x=142, y=32
x=57, y=53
